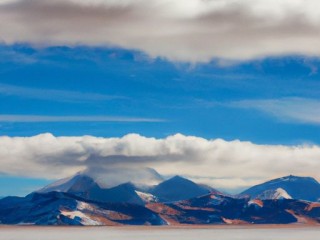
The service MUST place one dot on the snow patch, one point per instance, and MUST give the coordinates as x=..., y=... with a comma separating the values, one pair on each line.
x=78, y=213
x=84, y=219
x=84, y=206
x=147, y=197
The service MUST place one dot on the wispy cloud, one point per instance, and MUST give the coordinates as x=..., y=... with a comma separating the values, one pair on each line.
x=54, y=95
x=286, y=109
x=10, y=55
x=293, y=109
x=40, y=118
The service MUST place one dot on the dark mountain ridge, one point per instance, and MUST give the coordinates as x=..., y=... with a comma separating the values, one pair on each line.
x=178, y=188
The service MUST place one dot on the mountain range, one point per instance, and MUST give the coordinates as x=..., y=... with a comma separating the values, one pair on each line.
x=81, y=200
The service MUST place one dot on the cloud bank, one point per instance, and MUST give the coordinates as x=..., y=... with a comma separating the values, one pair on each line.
x=224, y=164
x=192, y=31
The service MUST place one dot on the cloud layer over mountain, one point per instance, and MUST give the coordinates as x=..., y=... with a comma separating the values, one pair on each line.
x=225, y=164
x=193, y=30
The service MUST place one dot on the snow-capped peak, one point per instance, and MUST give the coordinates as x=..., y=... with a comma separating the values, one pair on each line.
x=273, y=194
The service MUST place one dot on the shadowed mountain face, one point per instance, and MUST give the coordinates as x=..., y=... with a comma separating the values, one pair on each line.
x=305, y=188
x=57, y=208
x=84, y=186
x=124, y=193
x=178, y=188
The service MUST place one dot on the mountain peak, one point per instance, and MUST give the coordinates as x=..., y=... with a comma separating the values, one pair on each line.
x=75, y=182
x=127, y=185
x=293, y=178
x=178, y=188
x=178, y=178
x=305, y=188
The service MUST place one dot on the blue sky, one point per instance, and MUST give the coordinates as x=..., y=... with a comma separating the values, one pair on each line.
x=193, y=99
x=211, y=69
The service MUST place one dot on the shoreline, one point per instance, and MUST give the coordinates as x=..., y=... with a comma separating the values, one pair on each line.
x=171, y=227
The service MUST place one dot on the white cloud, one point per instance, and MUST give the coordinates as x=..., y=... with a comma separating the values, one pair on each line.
x=301, y=110
x=41, y=118
x=193, y=30
x=226, y=164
